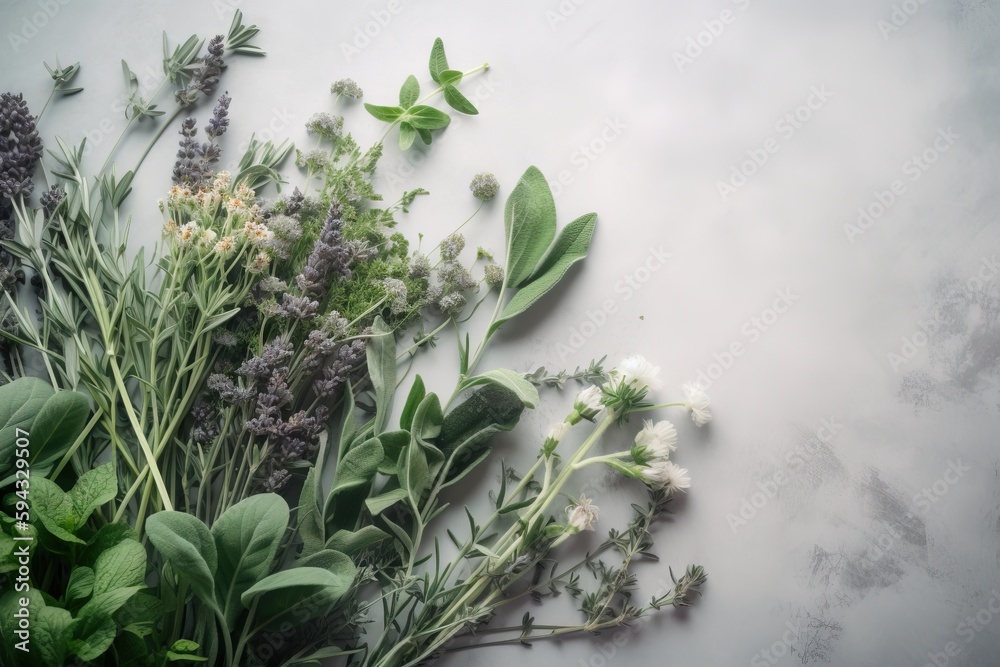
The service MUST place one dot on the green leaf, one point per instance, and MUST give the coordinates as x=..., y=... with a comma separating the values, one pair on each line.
x=50, y=632
x=384, y=501
x=359, y=466
x=406, y=136
x=184, y=650
x=423, y=117
x=438, y=63
x=93, y=489
x=52, y=507
x=309, y=515
x=56, y=426
x=246, y=536
x=571, y=247
x=80, y=586
x=186, y=543
x=409, y=93
x=468, y=428
x=387, y=114
x=450, y=77
x=515, y=382
x=20, y=401
x=108, y=602
x=308, y=592
x=122, y=565
x=107, y=537
x=393, y=442
x=458, y=101
x=529, y=225
x=417, y=393
x=353, y=543
x=425, y=136
x=90, y=636
x=381, y=355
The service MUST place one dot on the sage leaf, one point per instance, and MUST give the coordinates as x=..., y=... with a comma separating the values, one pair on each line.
x=306, y=592
x=20, y=401
x=354, y=543
x=409, y=93
x=387, y=114
x=515, y=382
x=417, y=393
x=186, y=543
x=407, y=135
x=122, y=565
x=571, y=247
x=381, y=355
x=438, y=62
x=529, y=225
x=423, y=117
x=458, y=101
x=246, y=536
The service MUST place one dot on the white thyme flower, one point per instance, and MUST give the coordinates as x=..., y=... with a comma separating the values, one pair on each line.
x=589, y=402
x=667, y=475
x=583, y=515
x=657, y=440
x=639, y=372
x=696, y=402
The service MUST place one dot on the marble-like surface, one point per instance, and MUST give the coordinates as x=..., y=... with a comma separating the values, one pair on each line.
x=846, y=500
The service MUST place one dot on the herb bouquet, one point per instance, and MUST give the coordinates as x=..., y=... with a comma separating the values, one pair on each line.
x=200, y=459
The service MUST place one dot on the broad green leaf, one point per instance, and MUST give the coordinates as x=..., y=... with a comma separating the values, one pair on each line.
x=529, y=225
x=468, y=428
x=348, y=426
x=94, y=488
x=186, y=543
x=571, y=247
x=393, y=442
x=90, y=636
x=423, y=117
x=50, y=631
x=515, y=382
x=20, y=401
x=427, y=418
x=109, y=602
x=425, y=136
x=53, y=508
x=56, y=426
x=184, y=650
x=359, y=467
x=80, y=586
x=381, y=355
x=306, y=592
x=387, y=114
x=108, y=536
x=417, y=393
x=406, y=136
x=409, y=93
x=353, y=543
x=384, y=501
x=450, y=77
x=458, y=101
x=122, y=565
x=439, y=62
x=246, y=536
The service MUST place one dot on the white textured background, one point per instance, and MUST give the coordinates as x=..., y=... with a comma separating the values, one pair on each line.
x=836, y=557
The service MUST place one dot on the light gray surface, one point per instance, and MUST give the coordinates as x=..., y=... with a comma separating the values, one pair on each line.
x=841, y=547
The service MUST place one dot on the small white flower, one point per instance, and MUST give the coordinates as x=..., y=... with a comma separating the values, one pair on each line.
x=557, y=432
x=187, y=233
x=208, y=237
x=583, y=515
x=667, y=475
x=696, y=402
x=642, y=374
x=589, y=402
x=225, y=246
x=658, y=440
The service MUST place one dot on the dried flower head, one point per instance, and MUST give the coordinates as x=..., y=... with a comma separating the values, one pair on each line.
x=583, y=515
x=347, y=88
x=452, y=246
x=484, y=186
x=493, y=274
x=326, y=125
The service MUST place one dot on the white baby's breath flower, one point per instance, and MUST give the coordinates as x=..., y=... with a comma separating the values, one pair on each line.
x=696, y=402
x=667, y=475
x=588, y=402
x=639, y=372
x=657, y=440
x=583, y=515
